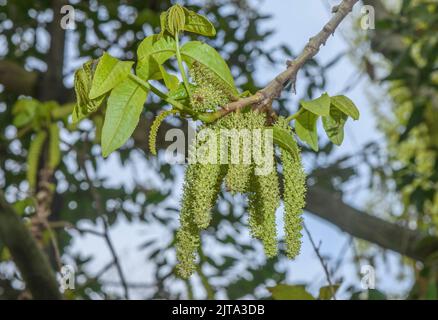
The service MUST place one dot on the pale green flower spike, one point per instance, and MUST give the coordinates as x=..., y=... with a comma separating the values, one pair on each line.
x=264, y=199
x=187, y=237
x=294, y=180
x=154, y=129
x=210, y=92
x=203, y=183
x=238, y=179
x=201, y=189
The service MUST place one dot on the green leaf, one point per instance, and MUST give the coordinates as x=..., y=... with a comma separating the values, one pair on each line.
x=199, y=24
x=163, y=22
x=152, y=52
x=319, y=106
x=122, y=115
x=170, y=80
x=210, y=58
x=176, y=19
x=83, y=79
x=179, y=93
x=288, y=292
x=305, y=127
x=24, y=111
x=109, y=72
x=346, y=106
x=284, y=139
x=334, y=125
x=327, y=292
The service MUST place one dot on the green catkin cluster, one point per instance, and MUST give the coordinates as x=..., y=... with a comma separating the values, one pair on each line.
x=263, y=203
x=203, y=184
x=210, y=92
x=201, y=189
x=154, y=129
x=294, y=180
x=238, y=179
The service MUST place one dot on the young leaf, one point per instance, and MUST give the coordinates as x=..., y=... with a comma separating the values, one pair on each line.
x=334, y=125
x=170, y=80
x=122, y=115
x=176, y=19
x=327, y=292
x=109, y=72
x=319, y=106
x=210, y=58
x=83, y=80
x=285, y=140
x=346, y=106
x=24, y=111
x=152, y=52
x=163, y=22
x=288, y=292
x=305, y=127
x=199, y=24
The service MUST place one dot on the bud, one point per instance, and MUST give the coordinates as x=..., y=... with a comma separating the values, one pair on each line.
x=176, y=19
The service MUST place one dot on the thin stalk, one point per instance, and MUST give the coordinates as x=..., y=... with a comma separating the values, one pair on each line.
x=295, y=115
x=181, y=67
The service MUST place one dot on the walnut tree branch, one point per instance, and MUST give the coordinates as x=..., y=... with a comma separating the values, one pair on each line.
x=273, y=90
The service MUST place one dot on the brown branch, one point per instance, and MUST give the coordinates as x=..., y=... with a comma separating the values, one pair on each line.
x=274, y=88
x=407, y=242
x=51, y=86
x=30, y=260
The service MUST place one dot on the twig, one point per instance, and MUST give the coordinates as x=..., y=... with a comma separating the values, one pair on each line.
x=274, y=88
x=321, y=260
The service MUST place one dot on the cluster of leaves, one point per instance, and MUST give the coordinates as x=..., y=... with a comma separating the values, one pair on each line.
x=334, y=112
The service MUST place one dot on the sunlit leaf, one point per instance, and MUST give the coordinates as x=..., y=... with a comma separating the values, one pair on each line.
x=109, y=72
x=346, y=106
x=289, y=292
x=284, y=139
x=334, y=125
x=122, y=115
x=199, y=24
x=305, y=127
x=210, y=58
x=170, y=80
x=327, y=292
x=319, y=106
x=152, y=52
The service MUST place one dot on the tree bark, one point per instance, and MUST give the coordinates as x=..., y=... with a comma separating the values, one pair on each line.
x=402, y=240
x=30, y=260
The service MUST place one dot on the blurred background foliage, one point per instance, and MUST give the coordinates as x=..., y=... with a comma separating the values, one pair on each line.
x=399, y=56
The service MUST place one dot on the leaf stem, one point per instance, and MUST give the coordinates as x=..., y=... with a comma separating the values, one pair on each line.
x=295, y=115
x=181, y=67
x=159, y=93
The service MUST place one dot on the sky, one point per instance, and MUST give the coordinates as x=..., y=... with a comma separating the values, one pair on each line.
x=295, y=22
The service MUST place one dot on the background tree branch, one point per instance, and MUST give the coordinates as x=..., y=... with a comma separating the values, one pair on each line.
x=30, y=260
x=329, y=206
